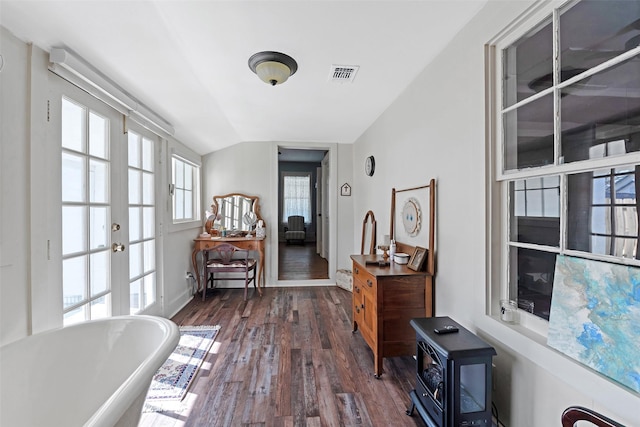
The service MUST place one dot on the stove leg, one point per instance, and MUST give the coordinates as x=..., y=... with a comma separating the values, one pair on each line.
x=409, y=411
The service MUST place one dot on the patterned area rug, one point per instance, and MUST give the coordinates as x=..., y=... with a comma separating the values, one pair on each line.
x=171, y=383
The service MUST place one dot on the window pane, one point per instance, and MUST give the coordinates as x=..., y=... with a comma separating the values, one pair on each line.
x=134, y=187
x=534, y=271
x=611, y=28
x=73, y=229
x=600, y=115
x=73, y=126
x=179, y=204
x=134, y=150
x=98, y=136
x=528, y=135
x=188, y=177
x=98, y=182
x=98, y=227
x=296, y=196
x=100, y=269
x=73, y=178
x=74, y=280
x=528, y=64
x=188, y=204
x=597, y=222
x=178, y=173
x=535, y=218
x=135, y=229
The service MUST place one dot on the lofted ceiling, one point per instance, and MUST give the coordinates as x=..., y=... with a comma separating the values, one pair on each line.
x=187, y=60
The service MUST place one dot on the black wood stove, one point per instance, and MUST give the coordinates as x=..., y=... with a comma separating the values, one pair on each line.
x=453, y=378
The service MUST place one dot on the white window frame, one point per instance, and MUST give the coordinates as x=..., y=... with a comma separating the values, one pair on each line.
x=498, y=282
x=307, y=174
x=195, y=189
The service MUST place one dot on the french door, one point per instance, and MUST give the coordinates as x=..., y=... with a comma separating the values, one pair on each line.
x=107, y=203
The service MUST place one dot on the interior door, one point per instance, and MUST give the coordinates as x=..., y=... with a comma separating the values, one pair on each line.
x=325, y=206
x=93, y=202
x=319, y=210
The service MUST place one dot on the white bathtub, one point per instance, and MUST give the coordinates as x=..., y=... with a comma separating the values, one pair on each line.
x=95, y=373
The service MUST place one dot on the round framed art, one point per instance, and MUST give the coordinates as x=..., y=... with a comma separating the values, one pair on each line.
x=412, y=216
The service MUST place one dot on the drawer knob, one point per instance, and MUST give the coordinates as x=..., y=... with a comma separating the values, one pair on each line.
x=356, y=270
x=369, y=282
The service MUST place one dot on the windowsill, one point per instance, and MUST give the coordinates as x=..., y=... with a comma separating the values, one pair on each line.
x=183, y=226
x=533, y=346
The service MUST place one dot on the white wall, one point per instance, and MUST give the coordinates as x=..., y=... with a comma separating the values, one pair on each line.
x=436, y=129
x=14, y=186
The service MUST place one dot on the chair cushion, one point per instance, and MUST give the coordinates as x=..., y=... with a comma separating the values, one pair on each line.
x=239, y=263
x=294, y=234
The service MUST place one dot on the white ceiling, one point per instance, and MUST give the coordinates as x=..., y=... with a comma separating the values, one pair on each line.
x=187, y=60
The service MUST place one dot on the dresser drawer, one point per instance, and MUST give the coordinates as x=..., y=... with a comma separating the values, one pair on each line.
x=366, y=279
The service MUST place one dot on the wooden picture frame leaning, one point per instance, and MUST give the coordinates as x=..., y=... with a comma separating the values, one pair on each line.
x=417, y=259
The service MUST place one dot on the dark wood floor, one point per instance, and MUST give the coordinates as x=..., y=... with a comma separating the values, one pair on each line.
x=301, y=262
x=288, y=358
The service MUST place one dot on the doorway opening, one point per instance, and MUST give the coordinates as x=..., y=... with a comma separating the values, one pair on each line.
x=303, y=175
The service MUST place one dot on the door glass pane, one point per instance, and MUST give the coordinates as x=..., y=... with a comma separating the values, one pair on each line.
x=600, y=115
x=73, y=178
x=100, y=272
x=147, y=189
x=74, y=280
x=135, y=297
x=135, y=229
x=99, y=228
x=149, y=289
x=149, y=222
x=98, y=181
x=73, y=229
x=149, y=255
x=73, y=125
x=134, y=149
x=528, y=135
x=135, y=260
x=134, y=187
x=100, y=307
x=147, y=154
x=592, y=32
x=528, y=64
x=98, y=136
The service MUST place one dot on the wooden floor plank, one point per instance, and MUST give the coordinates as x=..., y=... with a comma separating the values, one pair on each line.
x=288, y=359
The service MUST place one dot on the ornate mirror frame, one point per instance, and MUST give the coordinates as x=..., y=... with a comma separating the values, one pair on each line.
x=236, y=212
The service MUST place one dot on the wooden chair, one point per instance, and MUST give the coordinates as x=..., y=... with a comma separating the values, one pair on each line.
x=227, y=258
x=573, y=414
x=295, y=229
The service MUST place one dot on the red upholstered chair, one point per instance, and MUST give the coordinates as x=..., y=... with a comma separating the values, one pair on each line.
x=573, y=414
x=227, y=258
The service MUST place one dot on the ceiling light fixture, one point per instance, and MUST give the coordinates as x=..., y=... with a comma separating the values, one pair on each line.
x=273, y=67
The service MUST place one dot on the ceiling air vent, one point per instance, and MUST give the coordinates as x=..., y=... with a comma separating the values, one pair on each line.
x=343, y=73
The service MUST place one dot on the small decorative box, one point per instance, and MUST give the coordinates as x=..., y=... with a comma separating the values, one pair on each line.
x=401, y=258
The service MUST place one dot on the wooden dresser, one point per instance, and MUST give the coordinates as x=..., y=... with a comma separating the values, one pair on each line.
x=385, y=299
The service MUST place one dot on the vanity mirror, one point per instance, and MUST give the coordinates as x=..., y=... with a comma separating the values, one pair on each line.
x=235, y=213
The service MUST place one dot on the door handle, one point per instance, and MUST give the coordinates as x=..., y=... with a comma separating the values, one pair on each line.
x=117, y=247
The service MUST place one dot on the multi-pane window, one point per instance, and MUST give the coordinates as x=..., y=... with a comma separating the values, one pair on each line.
x=185, y=183
x=296, y=196
x=569, y=141
x=86, y=213
x=142, y=214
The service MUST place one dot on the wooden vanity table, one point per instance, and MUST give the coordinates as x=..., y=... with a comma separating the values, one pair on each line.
x=203, y=244
x=233, y=212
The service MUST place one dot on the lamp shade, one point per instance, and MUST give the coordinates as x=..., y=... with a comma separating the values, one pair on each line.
x=273, y=67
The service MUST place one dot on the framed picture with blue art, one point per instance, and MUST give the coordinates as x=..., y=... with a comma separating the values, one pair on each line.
x=595, y=317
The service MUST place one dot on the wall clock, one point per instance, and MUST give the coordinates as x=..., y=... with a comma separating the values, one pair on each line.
x=412, y=217
x=370, y=166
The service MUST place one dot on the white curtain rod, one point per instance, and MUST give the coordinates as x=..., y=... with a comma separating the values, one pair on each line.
x=73, y=68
